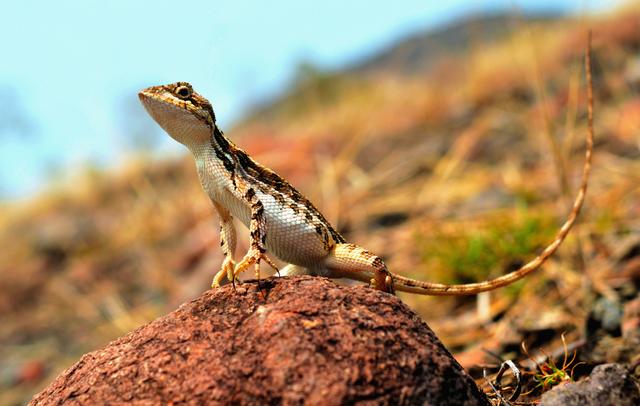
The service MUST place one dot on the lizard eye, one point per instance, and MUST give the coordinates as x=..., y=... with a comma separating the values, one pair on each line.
x=183, y=92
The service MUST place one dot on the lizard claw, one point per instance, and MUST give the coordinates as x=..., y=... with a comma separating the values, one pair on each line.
x=227, y=268
x=254, y=256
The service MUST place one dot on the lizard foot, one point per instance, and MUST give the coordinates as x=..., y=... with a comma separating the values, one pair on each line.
x=228, y=265
x=254, y=256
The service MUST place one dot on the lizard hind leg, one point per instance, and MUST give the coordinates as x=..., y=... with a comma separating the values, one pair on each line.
x=353, y=262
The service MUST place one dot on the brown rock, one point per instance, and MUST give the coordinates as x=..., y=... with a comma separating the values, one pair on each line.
x=608, y=384
x=298, y=340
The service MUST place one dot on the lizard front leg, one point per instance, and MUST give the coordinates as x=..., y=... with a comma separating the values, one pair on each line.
x=258, y=237
x=227, y=243
x=353, y=262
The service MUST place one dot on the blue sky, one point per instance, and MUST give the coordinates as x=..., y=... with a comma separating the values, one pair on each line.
x=70, y=70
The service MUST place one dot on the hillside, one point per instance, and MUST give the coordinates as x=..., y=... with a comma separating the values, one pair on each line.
x=458, y=170
x=417, y=53
x=411, y=56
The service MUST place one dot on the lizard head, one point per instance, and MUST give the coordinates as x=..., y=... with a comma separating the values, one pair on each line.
x=185, y=115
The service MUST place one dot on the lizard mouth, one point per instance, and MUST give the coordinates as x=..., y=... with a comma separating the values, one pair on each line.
x=146, y=98
x=152, y=101
x=157, y=95
x=145, y=95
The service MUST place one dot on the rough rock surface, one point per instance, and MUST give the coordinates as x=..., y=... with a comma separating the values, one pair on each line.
x=608, y=384
x=295, y=340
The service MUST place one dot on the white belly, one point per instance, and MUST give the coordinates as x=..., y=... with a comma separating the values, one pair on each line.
x=290, y=236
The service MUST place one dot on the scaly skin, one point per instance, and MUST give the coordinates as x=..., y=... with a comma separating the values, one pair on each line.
x=284, y=223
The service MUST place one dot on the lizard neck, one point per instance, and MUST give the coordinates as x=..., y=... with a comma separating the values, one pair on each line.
x=215, y=160
x=216, y=147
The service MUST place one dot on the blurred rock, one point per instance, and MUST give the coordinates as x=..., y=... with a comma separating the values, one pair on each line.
x=605, y=317
x=287, y=341
x=618, y=344
x=631, y=317
x=30, y=372
x=615, y=349
x=608, y=384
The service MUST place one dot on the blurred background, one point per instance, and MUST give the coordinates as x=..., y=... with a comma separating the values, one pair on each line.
x=457, y=131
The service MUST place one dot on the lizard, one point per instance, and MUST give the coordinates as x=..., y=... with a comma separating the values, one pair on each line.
x=283, y=222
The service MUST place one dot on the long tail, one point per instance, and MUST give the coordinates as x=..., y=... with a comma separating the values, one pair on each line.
x=426, y=288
